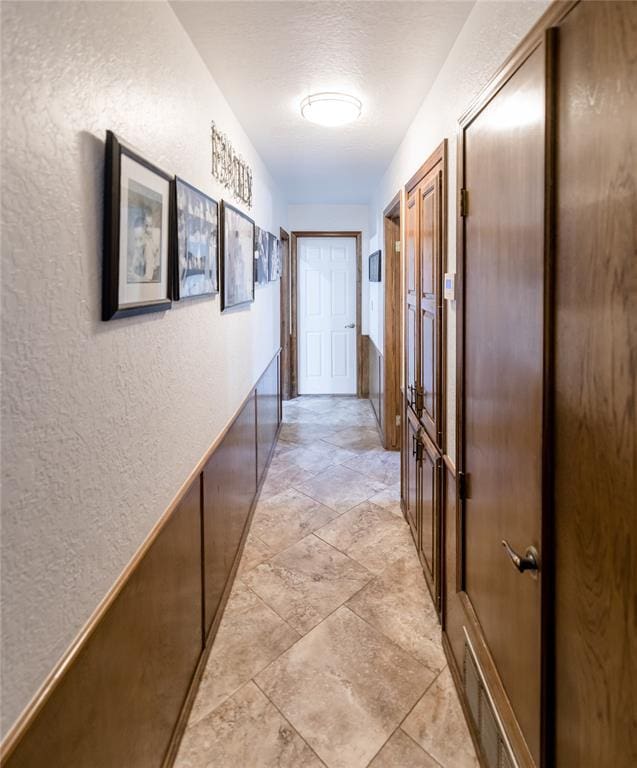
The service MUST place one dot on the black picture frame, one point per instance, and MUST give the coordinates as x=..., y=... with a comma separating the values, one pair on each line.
x=261, y=256
x=247, y=256
x=112, y=305
x=176, y=277
x=375, y=267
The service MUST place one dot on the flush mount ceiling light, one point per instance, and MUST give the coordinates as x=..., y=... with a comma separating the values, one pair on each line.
x=331, y=108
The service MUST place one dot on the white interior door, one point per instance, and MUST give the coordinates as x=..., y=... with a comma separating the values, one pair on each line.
x=327, y=315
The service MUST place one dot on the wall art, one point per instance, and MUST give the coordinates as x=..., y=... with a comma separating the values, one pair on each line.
x=237, y=269
x=197, y=227
x=375, y=267
x=275, y=258
x=230, y=169
x=138, y=226
x=261, y=255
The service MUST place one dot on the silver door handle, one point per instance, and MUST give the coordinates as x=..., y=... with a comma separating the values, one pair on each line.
x=530, y=561
x=351, y=325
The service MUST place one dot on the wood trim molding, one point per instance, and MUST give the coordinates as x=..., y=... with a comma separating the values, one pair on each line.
x=38, y=701
x=392, y=336
x=552, y=17
x=294, y=348
x=437, y=156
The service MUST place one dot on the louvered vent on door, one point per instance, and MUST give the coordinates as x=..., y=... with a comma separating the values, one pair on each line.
x=495, y=747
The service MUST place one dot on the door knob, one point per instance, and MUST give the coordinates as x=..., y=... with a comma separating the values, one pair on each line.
x=351, y=325
x=530, y=561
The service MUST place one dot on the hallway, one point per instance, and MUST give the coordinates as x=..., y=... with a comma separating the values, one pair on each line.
x=329, y=650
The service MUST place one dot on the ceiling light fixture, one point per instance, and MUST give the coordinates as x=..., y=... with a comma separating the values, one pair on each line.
x=331, y=109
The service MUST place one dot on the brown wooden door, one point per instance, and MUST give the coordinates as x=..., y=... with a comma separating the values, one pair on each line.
x=430, y=302
x=412, y=373
x=412, y=468
x=503, y=380
x=429, y=504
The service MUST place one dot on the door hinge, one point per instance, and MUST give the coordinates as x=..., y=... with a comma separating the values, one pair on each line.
x=398, y=420
x=464, y=202
x=397, y=246
x=464, y=485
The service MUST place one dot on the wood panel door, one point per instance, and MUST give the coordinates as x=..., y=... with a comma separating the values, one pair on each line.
x=430, y=192
x=502, y=447
x=412, y=368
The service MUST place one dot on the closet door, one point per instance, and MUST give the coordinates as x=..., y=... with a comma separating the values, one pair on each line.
x=502, y=419
x=412, y=371
x=430, y=302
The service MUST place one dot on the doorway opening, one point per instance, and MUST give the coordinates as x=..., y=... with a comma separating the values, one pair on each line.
x=391, y=398
x=325, y=317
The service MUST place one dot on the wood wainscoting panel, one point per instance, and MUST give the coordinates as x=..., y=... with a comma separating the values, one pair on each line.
x=268, y=414
x=118, y=703
x=376, y=379
x=229, y=489
x=595, y=484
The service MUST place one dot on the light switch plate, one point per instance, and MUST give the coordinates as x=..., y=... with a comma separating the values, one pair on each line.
x=450, y=286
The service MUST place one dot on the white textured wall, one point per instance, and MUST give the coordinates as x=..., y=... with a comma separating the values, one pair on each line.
x=489, y=35
x=318, y=217
x=101, y=422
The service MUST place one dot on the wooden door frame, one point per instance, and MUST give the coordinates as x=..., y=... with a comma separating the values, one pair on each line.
x=361, y=367
x=286, y=372
x=392, y=357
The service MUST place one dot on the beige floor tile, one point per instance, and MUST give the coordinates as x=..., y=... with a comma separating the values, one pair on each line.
x=246, y=731
x=438, y=725
x=305, y=432
x=287, y=517
x=344, y=687
x=389, y=498
x=282, y=478
x=402, y=752
x=379, y=464
x=339, y=488
x=355, y=438
x=250, y=636
x=254, y=553
x=398, y=604
x=318, y=456
x=371, y=535
x=307, y=581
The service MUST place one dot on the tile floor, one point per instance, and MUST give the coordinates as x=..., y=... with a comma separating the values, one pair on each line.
x=329, y=651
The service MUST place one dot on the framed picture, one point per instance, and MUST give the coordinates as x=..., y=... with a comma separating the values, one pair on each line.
x=374, y=267
x=237, y=271
x=275, y=257
x=196, y=259
x=138, y=226
x=261, y=255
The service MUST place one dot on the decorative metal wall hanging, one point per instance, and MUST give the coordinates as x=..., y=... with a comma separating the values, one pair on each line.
x=230, y=169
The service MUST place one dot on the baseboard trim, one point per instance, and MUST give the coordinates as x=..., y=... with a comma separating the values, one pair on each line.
x=20, y=728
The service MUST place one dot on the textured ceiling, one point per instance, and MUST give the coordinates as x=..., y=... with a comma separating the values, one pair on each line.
x=266, y=56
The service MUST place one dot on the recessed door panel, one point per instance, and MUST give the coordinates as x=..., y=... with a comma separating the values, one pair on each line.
x=327, y=315
x=503, y=379
x=429, y=493
x=430, y=303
